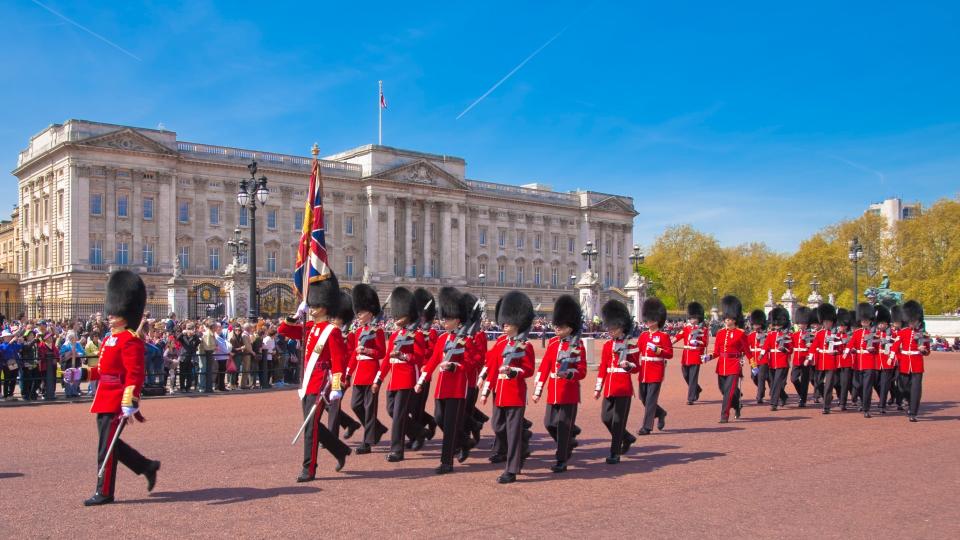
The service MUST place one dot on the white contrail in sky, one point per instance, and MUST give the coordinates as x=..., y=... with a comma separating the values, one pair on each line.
x=856, y=165
x=512, y=71
x=87, y=30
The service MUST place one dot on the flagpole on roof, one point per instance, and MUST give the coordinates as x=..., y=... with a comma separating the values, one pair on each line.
x=380, y=115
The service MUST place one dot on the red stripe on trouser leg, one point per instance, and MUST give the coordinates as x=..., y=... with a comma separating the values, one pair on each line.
x=313, y=442
x=109, y=471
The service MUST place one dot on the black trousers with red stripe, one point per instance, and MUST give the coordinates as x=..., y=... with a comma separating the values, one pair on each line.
x=828, y=376
x=107, y=425
x=448, y=413
x=691, y=375
x=800, y=377
x=614, y=412
x=316, y=434
x=731, y=394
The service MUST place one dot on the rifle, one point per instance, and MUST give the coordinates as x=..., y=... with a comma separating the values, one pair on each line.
x=517, y=351
x=571, y=355
x=456, y=346
x=783, y=340
x=625, y=344
x=922, y=338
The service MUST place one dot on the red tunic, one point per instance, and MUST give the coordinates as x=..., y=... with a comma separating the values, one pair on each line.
x=653, y=364
x=406, y=369
x=332, y=358
x=122, y=358
x=510, y=392
x=693, y=354
x=865, y=354
x=908, y=352
x=845, y=360
x=612, y=380
x=758, y=355
x=363, y=368
x=451, y=384
x=777, y=358
x=801, y=350
x=560, y=390
x=825, y=355
x=729, y=346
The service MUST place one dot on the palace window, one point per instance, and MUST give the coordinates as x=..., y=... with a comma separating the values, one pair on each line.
x=148, y=208
x=521, y=236
x=272, y=261
x=502, y=238
x=537, y=276
x=554, y=277
x=501, y=274
x=348, y=226
x=122, y=201
x=183, y=212
x=555, y=243
x=214, y=213
x=519, y=276
x=433, y=267
x=413, y=269
x=123, y=253
x=96, y=204
x=148, y=255
x=184, y=257
x=536, y=241
x=60, y=208
x=298, y=220
x=483, y=269
x=396, y=267
x=570, y=242
x=272, y=219
x=483, y=236
x=213, y=256
x=413, y=230
x=348, y=269
x=96, y=252
x=242, y=217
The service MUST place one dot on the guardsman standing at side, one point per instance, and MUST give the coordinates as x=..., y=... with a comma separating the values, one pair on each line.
x=120, y=373
x=619, y=359
x=324, y=364
x=779, y=347
x=910, y=349
x=730, y=346
x=800, y=358
x=655, y=349
x=694, y=337
x=404, y=358
x=365, y=364
x=758, y=356
x=563, y=366
x=509, y=364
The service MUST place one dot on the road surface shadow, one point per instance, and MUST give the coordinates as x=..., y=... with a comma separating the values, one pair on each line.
x=629, y=464
x=772, y=418
x=223, y=495
x=937, y=406
x=919, y=418
x=720, y=429
x=5, y=475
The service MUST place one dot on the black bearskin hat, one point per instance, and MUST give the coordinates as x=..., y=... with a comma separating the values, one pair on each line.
x=426, y=305
x=616, y=315
x=402, y=304
x=826, y=312
x=758, y=318
x=567, y=312
x=843, y=317
x=779, y=316
x=516, y=309
x=325, y=294
x=883, y=314
x=896, y=314
x=653, y=310
x=804, y=315
x=731, y=308
x=452, y=304
x=345, y=313
x=365, y=298
x=912, y=311
x=866, y=312
x=470, y=314
x=126, y=297
x=695, y=311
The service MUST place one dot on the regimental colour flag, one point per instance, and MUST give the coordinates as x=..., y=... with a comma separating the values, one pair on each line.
x=312, y=264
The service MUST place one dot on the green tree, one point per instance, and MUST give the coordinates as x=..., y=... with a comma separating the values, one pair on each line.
x=688, y=263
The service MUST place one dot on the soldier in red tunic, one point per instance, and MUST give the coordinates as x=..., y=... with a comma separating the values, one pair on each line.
x=864, y=347
x=509, y=363
x=694, y=337
x=452, y=355
x=779, y=348
x=730, y=347
x=427, y=424
x=886, y=386
x=800, y=341
x=844, y=376
x=120, y=373
x=404, y=358
x=619, y=359
x=910, y=349
x=474, y=419
x=563, y=366
x=827, y=347
x=336, y=417
x=758, y=356
x=370, y=347
x=325, y=362
x=655, y=349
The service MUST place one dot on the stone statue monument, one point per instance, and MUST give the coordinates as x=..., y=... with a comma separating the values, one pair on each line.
x=882, y=294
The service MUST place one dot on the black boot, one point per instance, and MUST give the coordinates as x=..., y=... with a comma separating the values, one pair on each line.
x=151, y=474
x=98, y=500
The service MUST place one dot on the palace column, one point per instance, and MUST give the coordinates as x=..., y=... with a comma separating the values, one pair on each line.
x=461, y=257
x=427, y=242
x=408, y=231
x=372, y=234
x=446, y=266
x=391, y=251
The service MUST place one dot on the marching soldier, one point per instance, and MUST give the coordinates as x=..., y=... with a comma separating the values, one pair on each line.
x=694, y=337
x=337, y=418
x=844, y=376
x=474, y=418
x=910, y=349
x=365, y=364
x=427, y=424
x=655, y=349
x=509, y=364
x=730, y=346
x=452, y=355
x=827, y=347
x=120, y=373
x=404, y=357
x=758, y=355
x=619, y=359
x=816, y=376
x=779, y=348
x=563, y=366
x=800, y=341
x=864, y=347
x=325, y=360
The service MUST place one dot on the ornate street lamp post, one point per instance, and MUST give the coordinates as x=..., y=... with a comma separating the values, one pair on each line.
x=252, y=191
x=855, y=254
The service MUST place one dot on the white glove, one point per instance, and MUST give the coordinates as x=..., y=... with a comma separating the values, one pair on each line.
x=301, y=310
x=129, y=411
x=335, y=395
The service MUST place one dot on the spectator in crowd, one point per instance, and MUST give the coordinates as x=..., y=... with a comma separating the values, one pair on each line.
x=10, y=358
x=208, y=366
x=71, y=356
x=171, y=362
x=91, y=349
x=48, y=356
x=268, y=347
x=29, y=367
x=223, y=354
x=240, y=348
x=189, y=345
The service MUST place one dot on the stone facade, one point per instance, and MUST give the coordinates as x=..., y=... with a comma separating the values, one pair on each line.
x=95, y=196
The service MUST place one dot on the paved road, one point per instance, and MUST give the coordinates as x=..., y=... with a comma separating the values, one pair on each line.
x=229, y=469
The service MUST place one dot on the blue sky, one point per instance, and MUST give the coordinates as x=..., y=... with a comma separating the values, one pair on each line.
x=754, y=121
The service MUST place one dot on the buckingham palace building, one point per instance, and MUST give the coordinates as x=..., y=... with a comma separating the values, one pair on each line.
x=96, y=196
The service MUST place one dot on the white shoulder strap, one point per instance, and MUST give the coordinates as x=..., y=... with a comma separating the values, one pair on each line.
x=314, y=357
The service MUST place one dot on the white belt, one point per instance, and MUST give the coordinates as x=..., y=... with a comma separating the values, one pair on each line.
x=798, y=349
x=652, y=359
x=909, y=353
x=555, y=376
x=825, y=351
x=756, y=349
x=398, y=361
x=617, y=370
x=865, y=351
x=364, y=357
x=691, y=348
